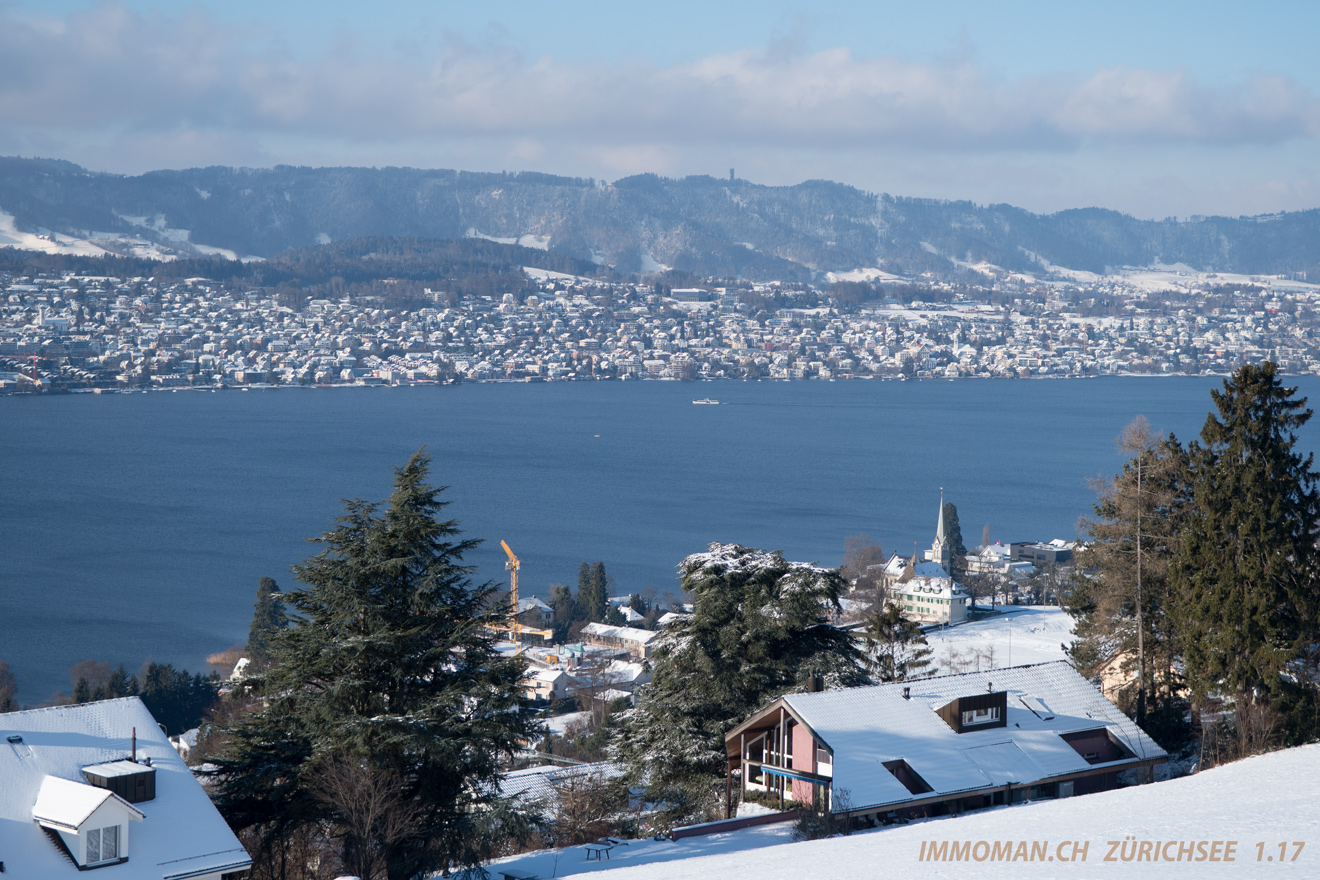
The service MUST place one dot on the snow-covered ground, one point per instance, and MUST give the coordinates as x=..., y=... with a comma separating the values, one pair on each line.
x=1255, y=805
x=1019, y=636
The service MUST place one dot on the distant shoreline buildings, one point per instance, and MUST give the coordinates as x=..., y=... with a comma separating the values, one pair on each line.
x=69, y=333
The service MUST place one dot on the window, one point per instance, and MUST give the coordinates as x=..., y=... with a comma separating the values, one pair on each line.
x=980, y=716
x=103, y=844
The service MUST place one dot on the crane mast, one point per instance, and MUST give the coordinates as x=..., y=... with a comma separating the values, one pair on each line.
x=514, y=627
x=512, y=567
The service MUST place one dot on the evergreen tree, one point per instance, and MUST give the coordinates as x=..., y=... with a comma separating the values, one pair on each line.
x=593, y=595
x=758, y=631
x=896, y=648
x=82, y=691
x=1245, y=573
x=8, y=689
x=390, y=670
x=268, y=618
x=175, y=698
x=614, y=617
x=1122, y=601
x=565, y=608
x=120, y=684
x=953, y=534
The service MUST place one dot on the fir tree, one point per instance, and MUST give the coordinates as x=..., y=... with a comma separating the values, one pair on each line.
x=1246, y=568
x=896, y=648
x=389, y=669
x=268, y=618
x=758, y=631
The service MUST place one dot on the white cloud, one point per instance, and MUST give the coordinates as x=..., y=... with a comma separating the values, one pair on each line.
x=110, y=67
x=127, y=91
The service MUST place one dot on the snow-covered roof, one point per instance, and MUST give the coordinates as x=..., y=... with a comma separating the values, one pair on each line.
x=540, y=784
x=934, y=586
x=64, y=803
x=867, y=726
x=622, y=633
x=43, y=753
x=929, y=569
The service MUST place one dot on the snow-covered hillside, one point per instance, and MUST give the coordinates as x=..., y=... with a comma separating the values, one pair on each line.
x=1242, y=813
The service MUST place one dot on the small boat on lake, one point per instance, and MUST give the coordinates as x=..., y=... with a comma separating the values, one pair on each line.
x=706, y=401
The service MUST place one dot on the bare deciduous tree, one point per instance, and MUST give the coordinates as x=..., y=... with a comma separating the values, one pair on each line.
x=372, y=815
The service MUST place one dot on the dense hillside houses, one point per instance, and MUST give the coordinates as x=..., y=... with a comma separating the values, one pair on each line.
x=84, y=332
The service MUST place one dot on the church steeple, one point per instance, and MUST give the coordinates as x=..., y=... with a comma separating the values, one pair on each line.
x=939, y=550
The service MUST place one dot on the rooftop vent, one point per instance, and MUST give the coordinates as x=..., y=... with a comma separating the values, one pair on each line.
x=15, y=740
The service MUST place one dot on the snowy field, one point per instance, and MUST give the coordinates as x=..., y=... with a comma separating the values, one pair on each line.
x=1019, y=636
x=1226, y=822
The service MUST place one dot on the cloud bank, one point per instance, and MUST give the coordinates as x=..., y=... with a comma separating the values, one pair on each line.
x=159, y=90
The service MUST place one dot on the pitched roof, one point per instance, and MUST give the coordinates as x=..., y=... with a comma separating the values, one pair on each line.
x=867, y=726
x=181, y=834
x=67, y=804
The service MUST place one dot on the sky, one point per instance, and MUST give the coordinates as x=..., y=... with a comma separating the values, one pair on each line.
x=1153, y=108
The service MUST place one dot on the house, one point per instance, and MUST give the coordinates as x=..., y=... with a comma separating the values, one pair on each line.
x=636, y=642
x=97, y=785
x=535, y=613
x=546, y=685
x=939, y=745
x=930, y=599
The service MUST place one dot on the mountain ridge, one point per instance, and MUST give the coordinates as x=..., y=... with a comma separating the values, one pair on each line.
x=702, y=225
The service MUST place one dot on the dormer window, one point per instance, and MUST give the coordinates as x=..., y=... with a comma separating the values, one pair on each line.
x=976, y=711
x=91, y=823
x=980, y=716
x=103, y=845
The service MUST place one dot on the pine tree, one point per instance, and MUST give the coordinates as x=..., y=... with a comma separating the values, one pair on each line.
x=268, y=618
x=896, y=648
x=390, y=668
x=758, y=631
x=1245, y=573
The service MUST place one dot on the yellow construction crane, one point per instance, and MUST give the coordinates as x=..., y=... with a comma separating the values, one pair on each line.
x=512, y=567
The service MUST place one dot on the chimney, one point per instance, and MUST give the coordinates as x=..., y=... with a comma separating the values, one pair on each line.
x=816, y=684
x=989, y=687
x=132, y=755
x=907, y=693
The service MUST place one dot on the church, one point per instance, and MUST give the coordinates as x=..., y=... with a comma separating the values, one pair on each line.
x=924, y=588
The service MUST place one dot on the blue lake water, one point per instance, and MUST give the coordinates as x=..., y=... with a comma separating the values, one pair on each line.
x=135, y=526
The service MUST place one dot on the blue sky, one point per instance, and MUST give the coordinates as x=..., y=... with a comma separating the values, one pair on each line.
x=1153, y=108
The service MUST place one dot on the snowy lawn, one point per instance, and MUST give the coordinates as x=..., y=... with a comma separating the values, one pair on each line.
x=1255, y=805
x=1019, y=636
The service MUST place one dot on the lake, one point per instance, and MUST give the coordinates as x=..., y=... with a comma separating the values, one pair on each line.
x=138, y=525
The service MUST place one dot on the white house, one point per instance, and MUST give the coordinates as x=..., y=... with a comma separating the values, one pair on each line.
x=546, y=684
x=98, y=785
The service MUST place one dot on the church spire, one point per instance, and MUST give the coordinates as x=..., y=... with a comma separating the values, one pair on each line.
x=939, y=527
x=940, y=552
